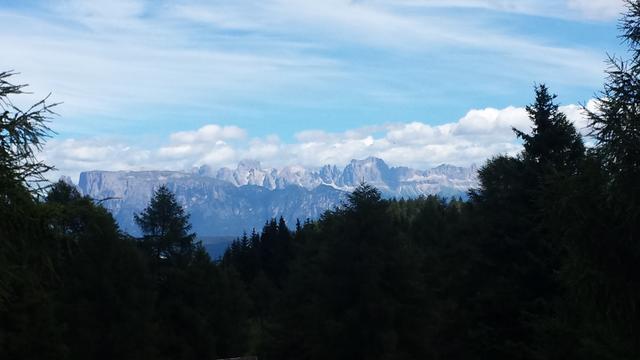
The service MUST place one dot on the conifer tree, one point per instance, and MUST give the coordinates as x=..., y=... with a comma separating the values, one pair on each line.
x=165, y=228
x=22, y=135
x=554, y=142
x=602, y=275
x=104, y=293
x=28, y=328
x=518, y=236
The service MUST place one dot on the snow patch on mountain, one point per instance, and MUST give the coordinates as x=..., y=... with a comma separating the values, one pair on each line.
x=228, y=201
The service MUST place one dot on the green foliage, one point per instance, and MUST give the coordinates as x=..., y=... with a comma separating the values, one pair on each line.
x=554, y=141
x=104, y=296
x=165, y=228
x=199, y=309
x=604, y=245
x=22, y=134
x=27, y=252
x=518, y=238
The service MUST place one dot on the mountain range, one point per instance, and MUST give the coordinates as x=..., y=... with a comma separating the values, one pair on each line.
x=229, y=201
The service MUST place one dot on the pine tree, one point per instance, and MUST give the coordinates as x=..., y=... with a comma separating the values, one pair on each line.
x=602, y=275
x=554, y=142
x=22, y=135
x=28, y=254
x=518, y=230
x=165, y=228
x=355, y=288
x=104, y=295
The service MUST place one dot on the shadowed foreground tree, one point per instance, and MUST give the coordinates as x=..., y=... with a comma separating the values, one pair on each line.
x=199, y=309
x=518, y=239
x=27, y=252
x=104, y=296
x=354, y=291
x=602, y=275
x=165, y=228
x=22, y=135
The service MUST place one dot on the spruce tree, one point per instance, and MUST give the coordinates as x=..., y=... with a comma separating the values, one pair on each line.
x=166, y=229
x=28, y=328
x=104, y=296
x=554, y=142
x=22, y=135
x=518, y=231
x=602, y=275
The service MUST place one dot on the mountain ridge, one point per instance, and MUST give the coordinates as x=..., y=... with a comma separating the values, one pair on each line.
x=372, y=170
x=229, y=201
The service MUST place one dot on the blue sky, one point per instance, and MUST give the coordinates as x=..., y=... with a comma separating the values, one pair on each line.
x=304, y=82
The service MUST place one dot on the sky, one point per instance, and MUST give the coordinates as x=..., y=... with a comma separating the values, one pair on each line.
x=152, y=84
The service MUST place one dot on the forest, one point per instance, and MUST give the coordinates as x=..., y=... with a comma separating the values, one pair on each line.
x=542, y=261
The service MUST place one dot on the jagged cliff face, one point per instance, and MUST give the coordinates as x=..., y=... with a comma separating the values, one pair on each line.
x=227, y=202
x=217, y=207
x=392, y=181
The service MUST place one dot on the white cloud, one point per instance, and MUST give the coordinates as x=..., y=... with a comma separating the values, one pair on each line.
x=72, y=156
x=105, y=58
x=480, y=134
x=207, y=145
x=493, y=122
x=604, y=10
x=95, y=10
x=597, y=9
x=209, y=133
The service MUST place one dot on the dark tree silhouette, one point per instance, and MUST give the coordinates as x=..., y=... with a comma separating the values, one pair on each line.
x=22, y=134
x=165, y=228
x=554, y=141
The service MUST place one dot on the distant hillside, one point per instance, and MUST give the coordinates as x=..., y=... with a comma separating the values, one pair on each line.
x=228, y=202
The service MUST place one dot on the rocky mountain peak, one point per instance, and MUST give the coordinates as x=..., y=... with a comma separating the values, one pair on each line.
x=371, y=170
x=227, y=201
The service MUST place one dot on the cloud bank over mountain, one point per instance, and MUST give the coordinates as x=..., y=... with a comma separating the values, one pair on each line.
x=477, y=136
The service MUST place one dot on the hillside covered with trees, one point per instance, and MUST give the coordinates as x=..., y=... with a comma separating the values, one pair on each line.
x=542, y=261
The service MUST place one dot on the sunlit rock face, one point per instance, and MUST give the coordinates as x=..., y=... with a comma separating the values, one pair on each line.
x=230, y=201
